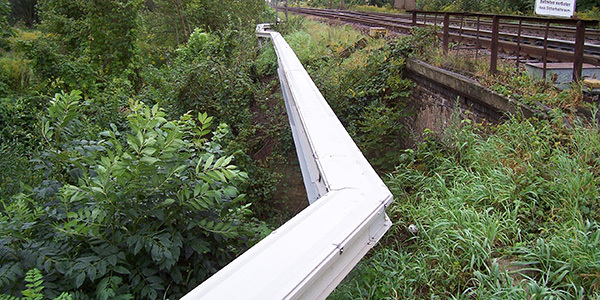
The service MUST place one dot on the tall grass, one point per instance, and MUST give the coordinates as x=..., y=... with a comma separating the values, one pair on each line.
x=509, y=212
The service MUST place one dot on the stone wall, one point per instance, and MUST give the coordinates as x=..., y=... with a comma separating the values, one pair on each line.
x=440, y=95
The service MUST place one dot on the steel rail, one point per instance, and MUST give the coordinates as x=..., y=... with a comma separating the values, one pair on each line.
x=429, y=16
x=404, y=23
x=308, y=256
x=559, y=50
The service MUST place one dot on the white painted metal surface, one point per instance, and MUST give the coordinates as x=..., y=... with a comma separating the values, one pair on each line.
x=555, y=8
x=308, y=256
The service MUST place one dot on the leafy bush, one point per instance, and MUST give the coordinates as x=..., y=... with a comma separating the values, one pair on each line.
x=18, y=140
x=145, y=212
x=57, y=70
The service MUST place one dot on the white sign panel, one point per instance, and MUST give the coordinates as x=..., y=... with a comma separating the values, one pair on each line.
x=555, y=8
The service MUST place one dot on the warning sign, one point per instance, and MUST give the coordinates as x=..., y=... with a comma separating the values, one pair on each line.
x=555, y=8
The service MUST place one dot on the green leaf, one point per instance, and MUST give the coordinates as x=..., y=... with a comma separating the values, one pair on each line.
x=138, y=247
x=219, y=162
x=122, y=270
x=149, y=160
x=79, y=280
x=47, y=265
x=133, y=142
x=112, y=260
x=168, y=202
x=197, y=190
x=91, y=273
x=149, y=151
x=209, y=162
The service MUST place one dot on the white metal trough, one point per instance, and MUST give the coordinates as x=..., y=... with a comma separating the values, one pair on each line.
x=308, y=256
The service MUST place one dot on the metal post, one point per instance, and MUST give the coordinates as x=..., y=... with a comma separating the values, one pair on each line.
x=286, y=10
x=462, y=17
x=478, y=44
x=578, y=55
x=545, y=55
x=446, y=36
x=494, y=54
x=519, y=43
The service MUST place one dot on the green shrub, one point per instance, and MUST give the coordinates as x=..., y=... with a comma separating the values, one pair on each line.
x=146, y=212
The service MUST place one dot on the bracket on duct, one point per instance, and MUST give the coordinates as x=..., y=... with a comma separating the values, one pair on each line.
x=308, y=256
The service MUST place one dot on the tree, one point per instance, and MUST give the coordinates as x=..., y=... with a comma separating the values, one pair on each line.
x=5, y=31
x=179, y=18
x=113, y=32
x=24, y=11
x=105, y=30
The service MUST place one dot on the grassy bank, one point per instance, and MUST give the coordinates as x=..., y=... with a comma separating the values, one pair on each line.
x=507, y=212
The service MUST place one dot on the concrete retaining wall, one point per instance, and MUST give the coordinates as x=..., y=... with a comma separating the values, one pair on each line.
x=438, y=93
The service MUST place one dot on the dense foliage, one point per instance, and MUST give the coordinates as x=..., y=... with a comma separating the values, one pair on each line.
x=119, y=176
x=124, y=212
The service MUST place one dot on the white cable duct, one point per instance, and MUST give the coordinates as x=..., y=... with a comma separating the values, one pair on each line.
x=309, y=255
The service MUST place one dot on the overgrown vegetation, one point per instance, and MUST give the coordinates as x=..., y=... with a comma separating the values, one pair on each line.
x=130, y=211
x=508, y=212
x=140, y=142
x=361, y=78
x=125, y=144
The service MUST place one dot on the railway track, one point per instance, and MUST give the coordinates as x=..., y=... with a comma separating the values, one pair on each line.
x=549, y=40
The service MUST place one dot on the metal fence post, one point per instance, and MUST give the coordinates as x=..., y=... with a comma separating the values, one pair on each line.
x=478, y=44
x=494, y=54
x=519, y=43
x=578, y=55
x=446, y=37
x=545, y=56
x=460, y=32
